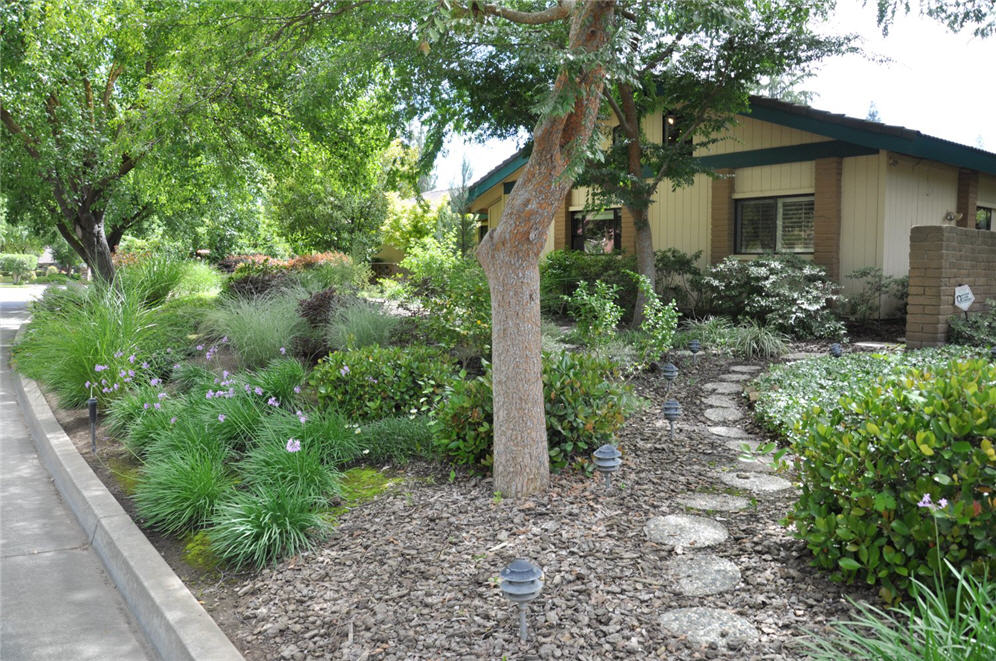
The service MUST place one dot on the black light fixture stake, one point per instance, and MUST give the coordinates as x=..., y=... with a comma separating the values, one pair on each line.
x=671, y=411
x=670, y=373
x=91, y=405
x=835, y=350
x=695, y=347
x=607, y=462
x=521, y=583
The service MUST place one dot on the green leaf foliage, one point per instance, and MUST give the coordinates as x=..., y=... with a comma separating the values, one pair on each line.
x=899, y=476
x=584, y=401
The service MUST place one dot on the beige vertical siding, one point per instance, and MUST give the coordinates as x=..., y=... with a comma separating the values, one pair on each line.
x=918, y=192
x=862, y=210
x=754, y=134
x=495, y=211
x=680, y=219
x=987, y=191
x=768, y=180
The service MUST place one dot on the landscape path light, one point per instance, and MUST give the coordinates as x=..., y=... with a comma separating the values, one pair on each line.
x=672, y=411
x=607, y=462
x=521, y=582
x=91, y=405
x=835, y=350
x=992, y=353
x=670, y=373
x=695, y=347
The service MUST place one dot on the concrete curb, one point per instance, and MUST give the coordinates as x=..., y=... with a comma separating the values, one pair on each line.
x=176, y=625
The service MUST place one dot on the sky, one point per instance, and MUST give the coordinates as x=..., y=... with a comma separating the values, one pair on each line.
x=936, y=82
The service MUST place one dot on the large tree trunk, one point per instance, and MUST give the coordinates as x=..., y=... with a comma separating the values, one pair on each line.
x=89, y=230
x=645, y=265
x=510, y=257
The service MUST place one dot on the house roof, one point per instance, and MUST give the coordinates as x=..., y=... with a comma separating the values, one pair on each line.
x=851, y=137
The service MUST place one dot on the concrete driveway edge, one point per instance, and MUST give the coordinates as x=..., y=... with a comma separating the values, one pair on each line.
x=176, y=625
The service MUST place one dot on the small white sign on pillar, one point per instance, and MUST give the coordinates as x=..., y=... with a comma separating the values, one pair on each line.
x=963, y=297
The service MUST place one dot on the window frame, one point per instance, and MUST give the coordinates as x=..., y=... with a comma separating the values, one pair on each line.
x=989, y=220
x=616, y=220
x=778, y=200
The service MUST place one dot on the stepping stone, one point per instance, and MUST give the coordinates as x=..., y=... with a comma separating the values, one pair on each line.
x=746, y=369
x=729, y=432
x=735, y=377
x=722, y=414
x=717, y=502
x=705, y=626
x=720, y=401
x=683, y=530
x=752, y=466
x=702, y=574
x=725, y=387
x=757, y=482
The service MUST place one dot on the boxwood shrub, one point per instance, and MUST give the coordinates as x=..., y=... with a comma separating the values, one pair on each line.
x=376, y=382
x=868, y=464
x=585, y=405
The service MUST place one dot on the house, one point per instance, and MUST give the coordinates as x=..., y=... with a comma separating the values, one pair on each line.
x=845, y=192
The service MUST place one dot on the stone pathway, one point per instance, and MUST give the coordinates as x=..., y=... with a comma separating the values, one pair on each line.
x=695, y=573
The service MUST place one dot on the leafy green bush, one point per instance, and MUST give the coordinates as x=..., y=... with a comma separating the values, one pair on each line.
x=585, y=405
x=257, y=527
x=787, y=392
x=595, y=312
x=783, y=292
x=18, y=266
x=679, y=278
x=377, y=382
x=453, y=292
x=884, y=453
x=257, y=328
x=291, y=465
x=179, y=491
x=562, y=270
x=395, y=439
x=979, y=329
x=360, y=324
x=866, y=303
x=658, y=325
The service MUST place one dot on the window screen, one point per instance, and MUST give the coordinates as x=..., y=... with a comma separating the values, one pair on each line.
x=774, y=224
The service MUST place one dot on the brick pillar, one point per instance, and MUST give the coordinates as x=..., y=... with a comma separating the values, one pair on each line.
x=562, y=225
x=968, y=197
x=941, y=258
x=721, y=215
x=826, y=212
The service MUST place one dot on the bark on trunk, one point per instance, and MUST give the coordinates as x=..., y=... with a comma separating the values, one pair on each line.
x=510, y=257
x=96, y=252
x=644, y=260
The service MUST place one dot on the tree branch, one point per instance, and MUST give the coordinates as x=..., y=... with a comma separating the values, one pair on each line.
x=616, y=110
x=558, y=12
x=15, y=129
x=116, y=70
x=114, y=236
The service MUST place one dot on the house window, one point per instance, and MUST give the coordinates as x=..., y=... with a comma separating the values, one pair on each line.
x=673, y=127
x=983, y=218
x=596, y=232
x=775, y=224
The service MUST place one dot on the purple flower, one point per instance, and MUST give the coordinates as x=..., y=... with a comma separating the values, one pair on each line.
x=273, y=401
x=115, y=387
x=127, y=379
x=297, y=389
x=122, y=373
x=293, y=445
x=925, y=501
x=87, y=384
x=155, y=381
x=169, y=350
x=224, y=340
x=118, y=354
x=345, y=370
x=145, y=406
x=247, y=387
x=942, y=503
x=105, y=390
x=302, y=417
x=172, y=420
x=176, y=366
x=283, y=351
x=131, y=372
x=103, y=382
x=221, y=417
x=161, y=395
x=217, y=380
x=145, y=366
x=258, y=391
x=200, y=347
x=131, y=359
x=224, y=374
x=99, y=368
x=158, y=405
x=209, y=394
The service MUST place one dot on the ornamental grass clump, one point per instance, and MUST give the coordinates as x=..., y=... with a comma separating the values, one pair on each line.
x=325, y=433
x=292, y=465
x=395, y=439
x=256, y=527
x=868, y=461
x=360, y=324
x=257, y=328
x=178, y=491
x=282, y=379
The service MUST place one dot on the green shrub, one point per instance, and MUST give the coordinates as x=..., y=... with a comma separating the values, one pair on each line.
x=787, y=392
x=290, y=464
x=979, y=329
x=783, y=292
x=182, y=433
x=595, y=313
x=453, y=292
x=395, y=439
x=658, y=325
x=176, y=321
x=872, y=464
x=179, y=491
x=751, y=340
x=125, y=410
x=584, y=403
x=866, y=303
x=377, y=382
x=679, y=278
x=257, y=328
x=361, y=324
x=563, y=270
x=198, y=278
x=260, y=526
x=18, y=266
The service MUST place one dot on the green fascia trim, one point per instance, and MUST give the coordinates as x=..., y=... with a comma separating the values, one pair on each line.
x=911, y=143
x=792, y=154
x=495, y=176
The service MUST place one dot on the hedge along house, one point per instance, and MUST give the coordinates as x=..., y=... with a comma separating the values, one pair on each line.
x=843, y=192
